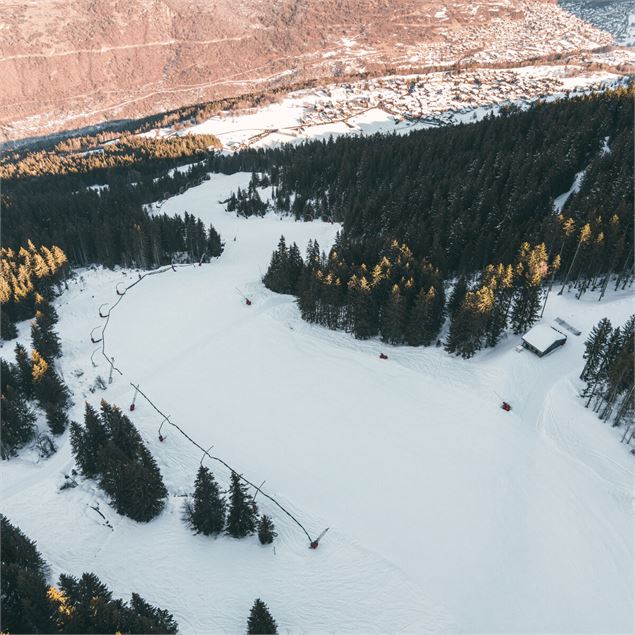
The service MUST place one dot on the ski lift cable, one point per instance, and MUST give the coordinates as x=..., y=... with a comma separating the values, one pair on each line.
x=219, y=460
x=172, y=267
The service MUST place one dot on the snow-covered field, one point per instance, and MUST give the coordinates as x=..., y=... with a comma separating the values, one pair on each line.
x=447, y=514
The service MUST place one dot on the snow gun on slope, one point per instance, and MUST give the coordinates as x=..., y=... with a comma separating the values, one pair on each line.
x=244, y=297
x=316, y=543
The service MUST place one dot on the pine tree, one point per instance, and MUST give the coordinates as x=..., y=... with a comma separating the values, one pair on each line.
x=266, y=530
x=206, y=513
x=25, y=370
x=214, y=243
x=85, y=604
x=457, y=296
x=45, y=313
x=135, y=487
x=8, y=330
x=423, y=327
x=88, y=442
x=260, y=621
x=467, y=328
x=363, y=313
x=392, y=321
x=241, y=519
x=145, y=618
x=45, y=340
x=17, y=417
x=48, y=387
x=595, y=347
x=111, y=449
x=56, y=418
x=25, y=604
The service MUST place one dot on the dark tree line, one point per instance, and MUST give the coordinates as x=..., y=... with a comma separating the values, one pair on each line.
x=398, y=297
x=471, y=194
x=29, y=280
x=109, y=449
x=208, y=512
x=402, y=299
x=112, y=226
x=75, y=605
x=608, y=372
x=33, y=380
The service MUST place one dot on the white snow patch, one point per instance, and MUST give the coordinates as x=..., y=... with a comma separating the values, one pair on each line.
x=560, y=201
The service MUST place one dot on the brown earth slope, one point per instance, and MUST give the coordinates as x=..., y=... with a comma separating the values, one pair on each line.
x=69, y=64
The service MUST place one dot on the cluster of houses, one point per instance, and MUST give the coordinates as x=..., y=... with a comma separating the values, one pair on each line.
x=439, y=97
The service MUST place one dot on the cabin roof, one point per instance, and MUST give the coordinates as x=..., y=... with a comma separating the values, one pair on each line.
x=541, y=337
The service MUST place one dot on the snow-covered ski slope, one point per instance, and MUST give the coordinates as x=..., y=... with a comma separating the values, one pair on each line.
x=447, y=514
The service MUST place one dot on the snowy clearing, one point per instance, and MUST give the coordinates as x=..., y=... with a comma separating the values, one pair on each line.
x=447, y=514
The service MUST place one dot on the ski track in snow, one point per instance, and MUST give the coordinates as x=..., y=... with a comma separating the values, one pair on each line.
x=446, y=513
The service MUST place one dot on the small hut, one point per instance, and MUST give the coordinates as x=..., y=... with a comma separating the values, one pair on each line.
x=543, y=339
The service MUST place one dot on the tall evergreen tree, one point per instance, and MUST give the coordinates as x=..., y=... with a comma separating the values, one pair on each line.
x=25, y=370
x=45, y=340
x=260, y=621
x=8, y=330
x=206, y=512
x=110, y=448
x=595, y=347
x=18, y=420
x=393, y=316
x=23, y=590
x=88, y=442
x=241, y=519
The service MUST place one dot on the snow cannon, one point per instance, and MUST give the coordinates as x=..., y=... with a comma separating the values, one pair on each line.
x=314, y=544
x=505, y=406
x=383, y=356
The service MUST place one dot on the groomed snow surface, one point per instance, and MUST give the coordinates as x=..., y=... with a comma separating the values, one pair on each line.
x=447, y=514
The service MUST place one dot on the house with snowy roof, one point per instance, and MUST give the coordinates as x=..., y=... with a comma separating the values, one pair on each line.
x=543, y=339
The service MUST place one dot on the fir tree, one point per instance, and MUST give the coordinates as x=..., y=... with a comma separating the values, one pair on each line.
x=85, y=604
x=25, y=604
x=45, y=313
x=260, y=621
x=110, y=449
x=135, y=487
x=142, y=617
x=266, y=530
x=241, y=519
x=45, y=340
x=56, y=418
x=25, y=370
x=422, y=328
x=88, y=442
x=392, y=321
x=214, y=243
x=8, y=330
x=206, y=513
x=17, y=417
x=595, y=347
x=363, y=314
x=457, y=296
x=48, y=387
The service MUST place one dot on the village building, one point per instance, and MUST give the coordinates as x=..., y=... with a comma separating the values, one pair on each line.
x=543, y=339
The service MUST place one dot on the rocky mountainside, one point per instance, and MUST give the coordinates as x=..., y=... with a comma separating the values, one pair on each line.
x=66, y=65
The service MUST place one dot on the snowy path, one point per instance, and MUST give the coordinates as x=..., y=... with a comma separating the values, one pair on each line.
x=446, y=513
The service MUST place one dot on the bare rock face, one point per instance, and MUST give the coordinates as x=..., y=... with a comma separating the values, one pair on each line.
x=69, y=64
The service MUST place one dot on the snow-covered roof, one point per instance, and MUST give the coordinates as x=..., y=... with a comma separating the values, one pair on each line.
x=541, y=337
